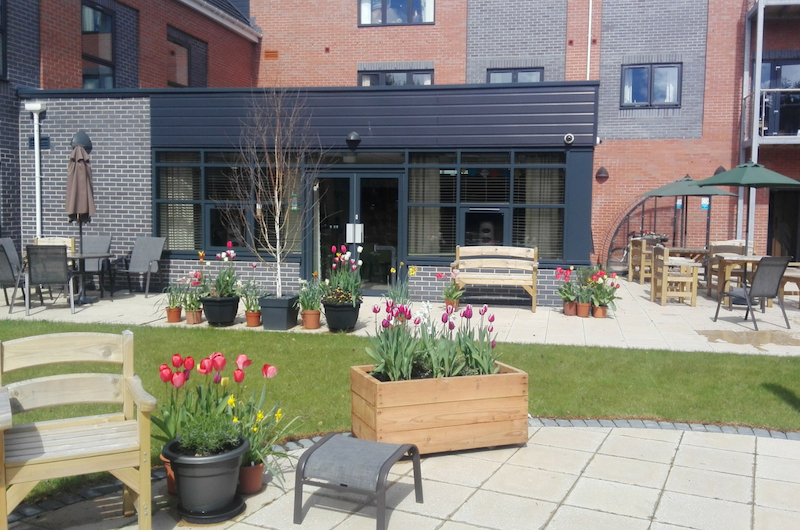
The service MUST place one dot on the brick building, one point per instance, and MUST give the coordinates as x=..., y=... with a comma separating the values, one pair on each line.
x=463, y=108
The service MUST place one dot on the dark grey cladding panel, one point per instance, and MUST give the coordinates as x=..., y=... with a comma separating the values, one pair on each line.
x=469, y=116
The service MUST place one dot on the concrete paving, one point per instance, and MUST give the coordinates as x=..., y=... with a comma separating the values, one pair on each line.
x=570, y=475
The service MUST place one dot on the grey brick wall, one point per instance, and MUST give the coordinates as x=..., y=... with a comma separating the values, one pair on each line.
x=516, y=34
x=263, y=274
x=22, y=43
x=120, y=133
x=637, y=31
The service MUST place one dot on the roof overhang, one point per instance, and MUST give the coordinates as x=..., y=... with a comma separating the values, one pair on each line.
x=219, y=16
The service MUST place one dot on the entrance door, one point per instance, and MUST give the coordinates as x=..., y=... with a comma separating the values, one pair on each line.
x=367, y=198
x=784, y=223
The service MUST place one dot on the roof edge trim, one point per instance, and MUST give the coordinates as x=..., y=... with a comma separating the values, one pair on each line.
x=246, y=31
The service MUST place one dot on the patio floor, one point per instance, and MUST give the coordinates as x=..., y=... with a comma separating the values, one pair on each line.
x=647, y=476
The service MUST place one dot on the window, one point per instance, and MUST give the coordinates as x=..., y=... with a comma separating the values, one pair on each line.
x=396, y=78
x=3, y=38
x=187, y=60
x=97, y=43
x=392, y=12
x=651, y=85
x=177, y=65
x=515, y=75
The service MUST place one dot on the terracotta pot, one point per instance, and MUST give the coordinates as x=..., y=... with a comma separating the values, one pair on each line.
x=253, y=318
x=451, y=303
x=251, y=479
x=174, y=314
x=583, y=309
x=570, y=308
x=171, y=488
x=310, y=319
x=600, y=311
x=194, y=316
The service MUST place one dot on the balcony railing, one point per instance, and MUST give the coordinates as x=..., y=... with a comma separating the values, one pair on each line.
x=778, y=114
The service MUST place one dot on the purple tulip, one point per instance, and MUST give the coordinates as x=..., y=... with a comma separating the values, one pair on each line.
x=445, y=318
x=467, y=313
x=494, y=343
x=385, y=323
x=217, y=378
x=451, y=325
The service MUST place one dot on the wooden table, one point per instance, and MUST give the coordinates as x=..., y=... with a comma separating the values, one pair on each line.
x=697, y=254
x=728, y=262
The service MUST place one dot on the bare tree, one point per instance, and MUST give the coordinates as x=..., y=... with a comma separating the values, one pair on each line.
x=270, y=200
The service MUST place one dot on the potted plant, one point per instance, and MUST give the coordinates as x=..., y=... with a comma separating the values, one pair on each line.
x=451, y=292
x=567, y=290
x=342, y=298
x=271, y=191
x=250, y=292
x=436, y=383
x=222, y=301
x=206, y=451
x=583, y=295
x=176, y=293
x=398, y=291
x=604, y=292
x=263, y=426
x=195, y=290
x=309, y=301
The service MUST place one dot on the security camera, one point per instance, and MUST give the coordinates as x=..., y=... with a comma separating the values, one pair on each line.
x=569, y=138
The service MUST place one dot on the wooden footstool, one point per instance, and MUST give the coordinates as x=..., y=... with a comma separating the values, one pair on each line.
x=350, y=464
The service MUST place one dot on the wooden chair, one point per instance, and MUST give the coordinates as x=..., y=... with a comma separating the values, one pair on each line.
x=117, y=442
x=68, y=242
x=673, y=278
x=640, y=258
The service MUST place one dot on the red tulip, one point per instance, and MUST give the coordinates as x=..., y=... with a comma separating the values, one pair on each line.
x=177, y=360
x=188, y=363
x=230, y=244
x=219, y=361
x=269, y=371
x=206, y=366
x=165, y=374
x=178, y=379
x=238, y=375
x=243, y=362
x=163, y=366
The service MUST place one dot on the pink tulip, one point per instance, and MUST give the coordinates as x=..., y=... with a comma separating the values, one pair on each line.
x=333, y=249
x=353, y=267
x=188, y=363
x=344, y=249
x=206, y=366
x=494, y=343
x=217, y=378
x=333, y=266
x=219, y=362
x=336, y=259
x=439, y=275
x=417, y=321
x=482, y=311
x=376, y=309
x=450, y=310
x=177, y=360
x=254, y=264
x=269, y=371
x=617, y=286
x=467, y=313
x=165, y=374
x=238, y=375
x=491, y=318
x=385, y=323
x=445, y=318
x=389, y=305
x=178, y=379
x=491, y=328
x=243, y=362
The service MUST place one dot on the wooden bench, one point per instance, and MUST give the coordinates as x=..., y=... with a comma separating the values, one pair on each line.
x=489, y=265
x=116, y=442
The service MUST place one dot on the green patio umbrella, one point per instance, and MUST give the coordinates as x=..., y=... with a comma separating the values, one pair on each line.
x=687, y=187
x=750, y=175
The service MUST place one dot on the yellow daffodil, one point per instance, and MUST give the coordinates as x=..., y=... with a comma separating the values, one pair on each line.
x=232, y=401
x=235, y=419
x=393, y=270
x=412, y=270
x=260, y=416
x=255, y=429
x=278, y=415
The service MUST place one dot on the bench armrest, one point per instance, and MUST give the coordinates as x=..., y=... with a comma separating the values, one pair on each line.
x=454, y=265
x=141, y=398
x=5, y=409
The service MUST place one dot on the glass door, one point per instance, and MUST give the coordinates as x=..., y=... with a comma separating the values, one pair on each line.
x=788, y=112
x=367, y=198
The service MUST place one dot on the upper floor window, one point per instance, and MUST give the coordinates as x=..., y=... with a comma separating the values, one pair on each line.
x=515, y=75
x=651, y=85
x=177, y=65
x=97, y=42
x=396, y=78
x=391, y=12
x=3, y=38
x=187, y=62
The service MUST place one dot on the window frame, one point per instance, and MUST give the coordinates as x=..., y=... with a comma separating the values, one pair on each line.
x=188, y=48
x=382, y=76
x=100, y=61
x=514, y=74
x=651, y=67
x=384, y=7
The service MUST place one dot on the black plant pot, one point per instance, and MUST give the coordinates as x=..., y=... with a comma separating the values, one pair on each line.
x=278, y=313
x=207, y=484
x=341, y=317
x=220, y=311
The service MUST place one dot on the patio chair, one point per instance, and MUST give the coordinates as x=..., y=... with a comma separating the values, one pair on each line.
x=673, y=277
x=764, y=286
x=47, y=265
x=99, y=267
x=145, y=260
x=14, y=266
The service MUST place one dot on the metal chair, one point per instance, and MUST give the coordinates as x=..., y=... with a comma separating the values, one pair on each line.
x=145, y=260
x=9, y=275
x=765, y=285
x=100, y=267
x=47, y=265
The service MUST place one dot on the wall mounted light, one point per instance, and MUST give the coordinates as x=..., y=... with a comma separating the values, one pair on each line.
x=82, y=139
x=353, y=139
x=719, y=170
x=601, y=175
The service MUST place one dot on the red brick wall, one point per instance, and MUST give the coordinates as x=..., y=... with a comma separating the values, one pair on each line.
x=577, y=34
x=320, y=43
x=636, y=166
x=230, y=56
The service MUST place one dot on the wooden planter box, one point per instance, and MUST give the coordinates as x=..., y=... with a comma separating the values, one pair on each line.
x=444, y=414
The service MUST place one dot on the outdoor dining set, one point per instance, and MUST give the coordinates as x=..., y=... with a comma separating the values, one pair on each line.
x=55, y=262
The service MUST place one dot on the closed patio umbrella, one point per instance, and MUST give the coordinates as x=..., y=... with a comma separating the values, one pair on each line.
x=80, y=189
x=749, y=175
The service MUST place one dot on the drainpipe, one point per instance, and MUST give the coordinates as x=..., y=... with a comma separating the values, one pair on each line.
x=37, y=108
x=589, y=45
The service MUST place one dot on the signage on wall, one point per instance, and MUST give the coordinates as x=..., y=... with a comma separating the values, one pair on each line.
x=704, y=202
x=679, y=203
